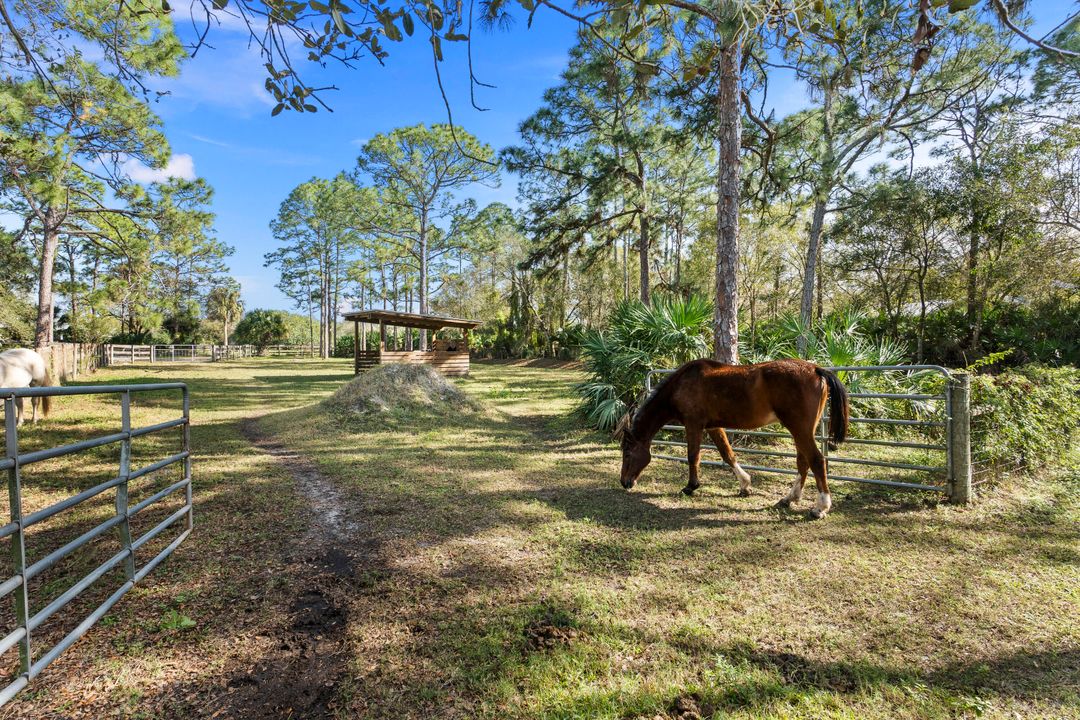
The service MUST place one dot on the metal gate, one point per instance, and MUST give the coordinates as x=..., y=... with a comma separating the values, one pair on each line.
x=952, y=442
x=13, y=461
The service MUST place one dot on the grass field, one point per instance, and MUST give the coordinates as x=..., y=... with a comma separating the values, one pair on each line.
x=491, y=567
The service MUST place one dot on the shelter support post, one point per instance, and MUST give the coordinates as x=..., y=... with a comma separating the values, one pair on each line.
x=356, y=347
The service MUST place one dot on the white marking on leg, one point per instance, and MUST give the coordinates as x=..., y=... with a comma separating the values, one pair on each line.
x=796, y=490
x=742, y=476
x=824, y=503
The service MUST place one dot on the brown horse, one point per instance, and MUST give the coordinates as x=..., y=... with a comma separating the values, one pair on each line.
x=705, y=395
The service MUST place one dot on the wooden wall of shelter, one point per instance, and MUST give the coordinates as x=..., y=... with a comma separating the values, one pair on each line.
x=449, y=357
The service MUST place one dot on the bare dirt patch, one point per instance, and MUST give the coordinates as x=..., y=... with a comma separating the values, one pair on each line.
x=300, y=678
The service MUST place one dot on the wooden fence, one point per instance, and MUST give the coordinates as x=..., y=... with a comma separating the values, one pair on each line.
x=291, y=350
x=66, y=361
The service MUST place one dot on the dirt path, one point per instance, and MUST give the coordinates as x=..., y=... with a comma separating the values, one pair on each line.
x=300, y=678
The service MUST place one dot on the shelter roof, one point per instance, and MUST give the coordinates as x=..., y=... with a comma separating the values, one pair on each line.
x=412, y=320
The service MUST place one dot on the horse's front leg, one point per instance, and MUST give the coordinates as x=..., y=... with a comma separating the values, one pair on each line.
x=18, y=411
x=693, y=457
x=719, y=438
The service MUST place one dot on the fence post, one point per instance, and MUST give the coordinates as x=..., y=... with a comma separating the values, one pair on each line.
x=122, y=488
x=186, y=400
x=18, y=539
x=959, y=390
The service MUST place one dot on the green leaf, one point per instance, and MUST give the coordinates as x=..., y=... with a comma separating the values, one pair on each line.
x=277, y=109
x=338, y=20
x=220, y=4
x=958, y=5
x=407, y=23
x=436, y=17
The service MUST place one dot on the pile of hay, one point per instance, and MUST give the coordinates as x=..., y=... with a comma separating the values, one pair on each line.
x=400, y=390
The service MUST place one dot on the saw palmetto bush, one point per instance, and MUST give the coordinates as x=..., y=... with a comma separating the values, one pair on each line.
x=639, y=337
x=842, y=339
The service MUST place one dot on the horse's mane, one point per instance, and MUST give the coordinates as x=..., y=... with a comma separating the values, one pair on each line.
x=627, y=426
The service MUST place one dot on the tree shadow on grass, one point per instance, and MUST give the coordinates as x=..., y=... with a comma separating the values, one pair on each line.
x=451, y=655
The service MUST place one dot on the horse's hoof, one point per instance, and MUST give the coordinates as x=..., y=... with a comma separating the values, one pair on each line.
x=816, y=514
x=745, y=492
x=689, y=491
x=783, y=503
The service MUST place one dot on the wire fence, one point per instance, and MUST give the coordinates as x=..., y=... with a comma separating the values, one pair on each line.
x=127, y=354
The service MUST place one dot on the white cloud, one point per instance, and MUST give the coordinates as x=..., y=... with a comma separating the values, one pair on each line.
x=270, y=155
x=180, y=166
x=231, y=78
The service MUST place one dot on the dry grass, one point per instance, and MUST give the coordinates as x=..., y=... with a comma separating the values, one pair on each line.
x=497, y=528
x=510, y=576
x=402, y=391
x=229, y=578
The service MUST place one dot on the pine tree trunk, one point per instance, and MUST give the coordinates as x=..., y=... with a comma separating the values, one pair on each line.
x=423, y=289
x=73, y=308
x=643, y=234
x=626, y=268
x=821, y=199
x=327, y=313
x=643, y=259
x=820, y=284
x=43, y=334
x=974, y=309
x=726, y=311
x=806, y=303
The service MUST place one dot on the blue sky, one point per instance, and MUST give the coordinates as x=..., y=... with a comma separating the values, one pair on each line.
x=217, y=118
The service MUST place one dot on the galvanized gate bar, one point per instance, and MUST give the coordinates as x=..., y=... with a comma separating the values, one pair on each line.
x=956, y=442
x=789, y=471
x=13, y=461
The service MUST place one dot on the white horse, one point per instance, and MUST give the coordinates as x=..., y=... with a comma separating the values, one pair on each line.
x=22, y=368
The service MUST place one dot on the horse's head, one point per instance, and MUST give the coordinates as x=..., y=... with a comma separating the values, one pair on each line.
x=636, y=453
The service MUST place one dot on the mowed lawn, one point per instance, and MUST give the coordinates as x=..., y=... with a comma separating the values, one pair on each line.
x=505, y=574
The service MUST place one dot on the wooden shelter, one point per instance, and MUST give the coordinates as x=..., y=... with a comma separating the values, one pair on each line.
x=450, y=357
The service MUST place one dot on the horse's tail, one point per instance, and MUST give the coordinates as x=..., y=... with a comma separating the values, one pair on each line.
x=838, y=404
x=46, y=400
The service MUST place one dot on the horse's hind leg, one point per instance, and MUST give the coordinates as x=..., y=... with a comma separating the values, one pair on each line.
x=693, y=457
x=33, y=409
x=795, y=495
x=805, y=442
x=19, y=411
x=719, y=438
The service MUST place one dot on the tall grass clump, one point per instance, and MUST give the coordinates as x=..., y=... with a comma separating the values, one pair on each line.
x=639, y=337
